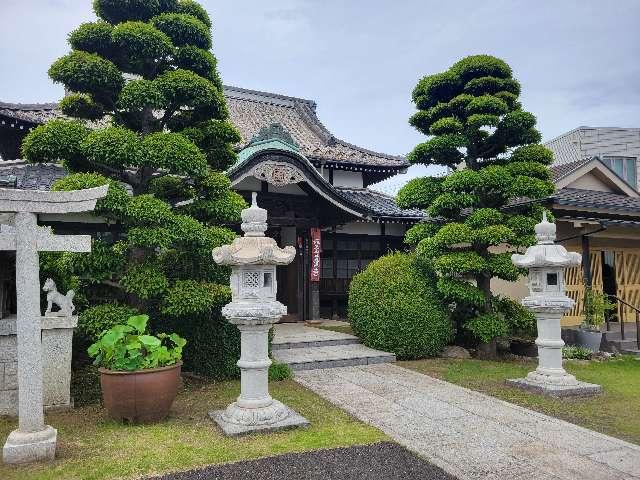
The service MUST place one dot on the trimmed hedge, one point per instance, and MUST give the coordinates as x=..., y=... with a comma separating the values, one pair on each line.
x=213, y=344
x=394, y=306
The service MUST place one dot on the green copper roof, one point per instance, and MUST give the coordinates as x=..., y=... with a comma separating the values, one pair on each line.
x=273, y=137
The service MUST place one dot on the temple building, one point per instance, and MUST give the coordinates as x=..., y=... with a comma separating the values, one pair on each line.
x=314, y=186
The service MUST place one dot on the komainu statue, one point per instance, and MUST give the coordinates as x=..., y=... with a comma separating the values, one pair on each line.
x=64, y=302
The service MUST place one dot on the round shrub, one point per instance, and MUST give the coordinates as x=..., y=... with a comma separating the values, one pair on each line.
x=116, y=11
x=194, y=9
x=394, y=306
x=175, y=152
x=88, y=73
x=81, y=105
x=140, y=45
x=92, y=37
x=95, y=320
x=54, y=141
x=111, y=206
x=183, y=29
x=112, y=147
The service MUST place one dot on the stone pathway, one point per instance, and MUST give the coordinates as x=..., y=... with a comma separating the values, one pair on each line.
x=303, y=348
x=469, y=434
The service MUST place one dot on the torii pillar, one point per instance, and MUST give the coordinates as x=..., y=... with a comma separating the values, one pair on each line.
x=33, y=440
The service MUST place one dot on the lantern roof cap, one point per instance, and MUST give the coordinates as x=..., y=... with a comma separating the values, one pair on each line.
x=253, y=248
x=546, y=253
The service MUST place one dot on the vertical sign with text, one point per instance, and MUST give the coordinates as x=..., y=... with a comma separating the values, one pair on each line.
x=316, y=245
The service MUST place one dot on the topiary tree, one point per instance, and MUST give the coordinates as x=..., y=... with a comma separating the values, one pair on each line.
x=147, y=116
x=394, y=306
x=479, y=131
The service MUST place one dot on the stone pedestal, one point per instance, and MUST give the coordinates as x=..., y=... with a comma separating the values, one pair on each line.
x=255, y=410
x=550, y=377
x=254, y=309
x=57, y=334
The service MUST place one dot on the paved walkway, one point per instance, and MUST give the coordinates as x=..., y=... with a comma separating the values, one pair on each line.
x=469, y=434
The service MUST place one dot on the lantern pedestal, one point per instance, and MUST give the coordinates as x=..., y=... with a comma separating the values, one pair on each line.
x=255, y=410
x=550, y=378
x=546, y=262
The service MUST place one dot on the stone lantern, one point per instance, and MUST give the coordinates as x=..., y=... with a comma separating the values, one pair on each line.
x=254, y=309
x=547, y=262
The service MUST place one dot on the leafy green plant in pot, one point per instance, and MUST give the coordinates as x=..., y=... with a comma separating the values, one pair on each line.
x=139, y=372
x=596, y=306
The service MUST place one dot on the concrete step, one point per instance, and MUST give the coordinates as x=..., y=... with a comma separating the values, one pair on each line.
x=314, y=343
x=631, y=351
x=331, y=356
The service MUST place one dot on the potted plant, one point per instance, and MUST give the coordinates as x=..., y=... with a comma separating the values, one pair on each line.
x=596, y=306
x=139, y=372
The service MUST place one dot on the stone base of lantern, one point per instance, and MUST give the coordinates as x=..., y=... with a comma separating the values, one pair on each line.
x=236, y=421
x=27, y=447
x=572, y=388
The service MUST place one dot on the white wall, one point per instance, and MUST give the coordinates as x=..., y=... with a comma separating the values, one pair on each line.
x=343, y=178
x=590, y=182
x=360, y=228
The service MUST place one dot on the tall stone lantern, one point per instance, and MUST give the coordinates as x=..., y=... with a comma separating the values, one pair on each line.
x=547, y=262
x=254, y=309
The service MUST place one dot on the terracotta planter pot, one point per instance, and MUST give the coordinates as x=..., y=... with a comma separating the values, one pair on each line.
x=143, y=396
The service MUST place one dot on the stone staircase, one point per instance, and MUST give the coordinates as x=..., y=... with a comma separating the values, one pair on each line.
x=612, y=339
x=307, y=348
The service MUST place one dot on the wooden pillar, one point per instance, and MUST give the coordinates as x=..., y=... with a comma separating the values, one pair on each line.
x=586, y=261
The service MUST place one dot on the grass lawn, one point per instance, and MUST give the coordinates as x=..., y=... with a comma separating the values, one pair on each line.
x=91, y=447
x=614, y=412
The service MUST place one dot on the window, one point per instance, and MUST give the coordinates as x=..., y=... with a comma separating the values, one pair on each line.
x=624, y=167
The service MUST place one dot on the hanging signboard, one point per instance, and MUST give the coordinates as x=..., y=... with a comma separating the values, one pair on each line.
x=316, y=244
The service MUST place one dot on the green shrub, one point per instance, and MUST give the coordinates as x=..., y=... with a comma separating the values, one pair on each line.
x=279, y=371
x=96, y=320
x=213, y=344
x=394, y=306
x=576, y=352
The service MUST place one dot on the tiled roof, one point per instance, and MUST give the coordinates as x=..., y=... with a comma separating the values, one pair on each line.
x=564, y=169
x=378, y=203
x=30, y=112
x=249, y=111
x=596, y=199
x=31, y=176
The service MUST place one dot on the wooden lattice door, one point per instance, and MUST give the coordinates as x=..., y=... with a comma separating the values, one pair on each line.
x=628, y=281
x=574, y=283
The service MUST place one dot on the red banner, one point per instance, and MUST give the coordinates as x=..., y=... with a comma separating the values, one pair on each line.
x=316, y=245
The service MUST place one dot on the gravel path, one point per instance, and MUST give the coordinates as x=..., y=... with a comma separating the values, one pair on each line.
x=469, y=434
x=381, y=461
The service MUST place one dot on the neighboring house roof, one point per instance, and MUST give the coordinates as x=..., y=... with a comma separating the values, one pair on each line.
x=588, y=142
x=29, y=176
x=597, y=200
x=249, y=111
x=562, y=170
x=564, y=175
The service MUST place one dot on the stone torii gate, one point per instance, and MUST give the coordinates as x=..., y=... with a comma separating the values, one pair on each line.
x=33, y=440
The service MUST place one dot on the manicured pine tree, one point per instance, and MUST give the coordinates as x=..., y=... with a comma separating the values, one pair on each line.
x=479, y=131
x=146, y=114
